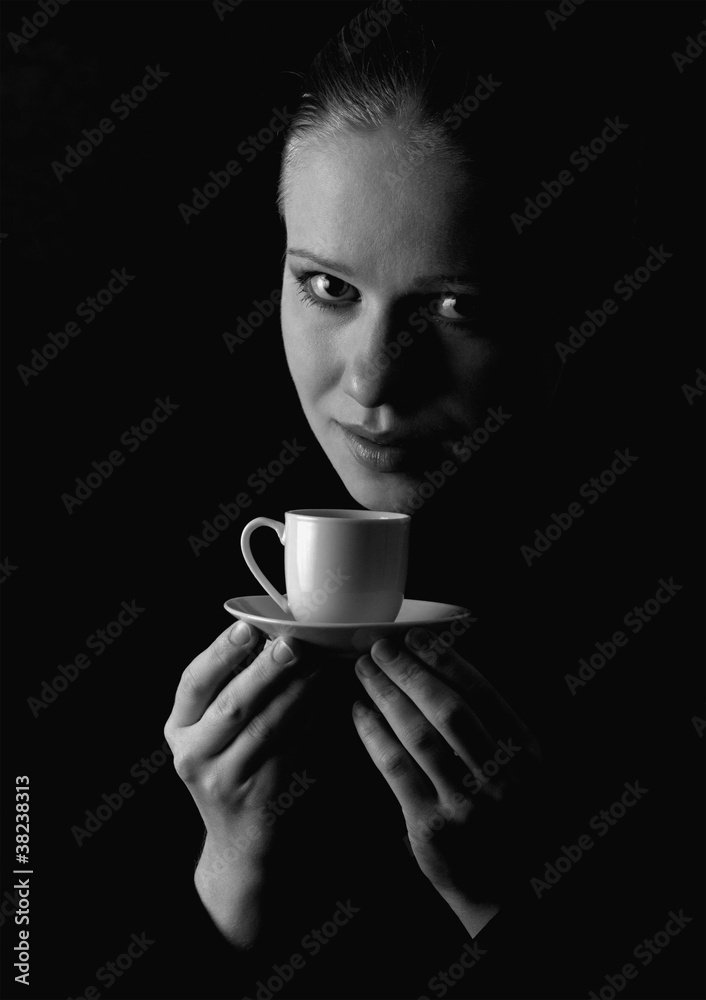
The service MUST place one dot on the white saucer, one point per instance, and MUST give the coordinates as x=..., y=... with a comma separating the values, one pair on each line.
x=346, y=639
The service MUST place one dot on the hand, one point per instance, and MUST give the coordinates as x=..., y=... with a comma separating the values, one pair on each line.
x=232, y=706
x=459, y=761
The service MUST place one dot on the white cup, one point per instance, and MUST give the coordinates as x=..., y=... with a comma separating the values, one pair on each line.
x=339, y=565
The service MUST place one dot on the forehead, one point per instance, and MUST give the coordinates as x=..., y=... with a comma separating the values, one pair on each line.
x=358, y=198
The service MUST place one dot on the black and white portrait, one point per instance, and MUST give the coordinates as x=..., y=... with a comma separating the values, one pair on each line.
x=418, y=287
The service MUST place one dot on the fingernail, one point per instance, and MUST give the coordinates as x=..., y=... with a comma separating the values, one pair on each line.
x=384, y=650
x=419, y=638
x=365, y=667
x=240, y=633
x=283, y=653
x=363, y=711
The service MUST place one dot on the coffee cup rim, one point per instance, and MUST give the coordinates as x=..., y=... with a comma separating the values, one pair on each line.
x=343, y=514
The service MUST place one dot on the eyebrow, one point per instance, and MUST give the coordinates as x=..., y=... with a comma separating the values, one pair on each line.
x=428, y=280
x=321, y=261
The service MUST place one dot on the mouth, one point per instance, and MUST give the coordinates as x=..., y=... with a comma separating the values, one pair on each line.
x=382, y=451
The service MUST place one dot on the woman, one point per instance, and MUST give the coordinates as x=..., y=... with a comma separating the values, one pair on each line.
x=420, y=306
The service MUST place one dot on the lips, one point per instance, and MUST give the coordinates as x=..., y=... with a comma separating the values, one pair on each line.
x=383, y=451
x=380, y=438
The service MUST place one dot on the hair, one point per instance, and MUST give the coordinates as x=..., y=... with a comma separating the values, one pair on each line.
x=403, y=66
x=361, y=82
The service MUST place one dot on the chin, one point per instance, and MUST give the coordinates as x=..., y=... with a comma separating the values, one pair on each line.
x=377, y=491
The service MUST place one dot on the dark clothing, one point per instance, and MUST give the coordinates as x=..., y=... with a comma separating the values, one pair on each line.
x=99, y=523
x=607, y=854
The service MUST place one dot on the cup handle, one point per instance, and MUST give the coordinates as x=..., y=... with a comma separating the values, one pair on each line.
x=278, y=526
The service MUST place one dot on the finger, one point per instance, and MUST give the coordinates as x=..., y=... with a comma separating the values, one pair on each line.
x=246, y=695
x=270, y=731
x=207, y=673
x=415, y=731
x=410, y=786
x=417, y=704
x=463, y=676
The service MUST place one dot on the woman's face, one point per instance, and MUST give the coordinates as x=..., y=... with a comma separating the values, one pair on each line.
x=382, y=280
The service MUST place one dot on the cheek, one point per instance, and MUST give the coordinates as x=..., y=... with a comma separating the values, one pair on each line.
x=475, y=374
x=309, y=352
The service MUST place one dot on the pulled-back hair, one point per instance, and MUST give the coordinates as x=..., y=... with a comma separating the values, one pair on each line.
x=361, y=81
x=407, y=66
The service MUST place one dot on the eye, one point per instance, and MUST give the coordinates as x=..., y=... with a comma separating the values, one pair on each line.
x=325, y=290
x=456, y=307
x=328, y=288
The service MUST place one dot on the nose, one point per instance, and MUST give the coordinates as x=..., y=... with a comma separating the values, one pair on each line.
x=374, y=345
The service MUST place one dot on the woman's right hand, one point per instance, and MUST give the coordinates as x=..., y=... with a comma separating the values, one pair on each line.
x=225, y=731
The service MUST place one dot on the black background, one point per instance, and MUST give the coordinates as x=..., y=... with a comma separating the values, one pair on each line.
x=163, y=337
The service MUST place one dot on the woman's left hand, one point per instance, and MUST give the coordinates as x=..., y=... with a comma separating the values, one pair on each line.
x=460, y=762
